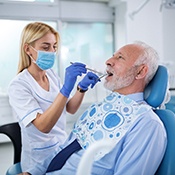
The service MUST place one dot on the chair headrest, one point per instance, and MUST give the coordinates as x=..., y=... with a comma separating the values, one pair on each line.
x=155, y=91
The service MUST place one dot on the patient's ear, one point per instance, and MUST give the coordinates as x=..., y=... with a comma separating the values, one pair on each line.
x=142, y=72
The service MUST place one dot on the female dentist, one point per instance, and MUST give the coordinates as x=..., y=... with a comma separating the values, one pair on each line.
x=38, y=98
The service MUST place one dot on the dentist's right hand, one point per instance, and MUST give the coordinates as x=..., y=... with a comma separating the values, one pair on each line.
x=74, y=70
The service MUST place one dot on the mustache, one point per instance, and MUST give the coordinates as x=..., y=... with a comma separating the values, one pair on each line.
x=109, y=70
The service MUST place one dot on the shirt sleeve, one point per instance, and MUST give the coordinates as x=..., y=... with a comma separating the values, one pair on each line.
x=143, y=149
x=23, y=103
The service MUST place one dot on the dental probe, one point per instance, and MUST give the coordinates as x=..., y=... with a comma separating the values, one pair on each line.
x=102, y=76
x=91, y=70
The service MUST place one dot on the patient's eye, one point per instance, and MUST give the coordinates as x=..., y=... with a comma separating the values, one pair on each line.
x=120, y=57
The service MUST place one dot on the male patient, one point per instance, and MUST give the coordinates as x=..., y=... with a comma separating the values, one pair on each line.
x=124, y=117
x=136, y=130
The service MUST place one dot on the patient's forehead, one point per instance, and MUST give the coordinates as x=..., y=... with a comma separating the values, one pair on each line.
x=130, y=51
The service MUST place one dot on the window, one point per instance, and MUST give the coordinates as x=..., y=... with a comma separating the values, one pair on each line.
x=89, y=43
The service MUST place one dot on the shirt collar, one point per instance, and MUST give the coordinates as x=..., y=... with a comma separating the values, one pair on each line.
x=138, y=97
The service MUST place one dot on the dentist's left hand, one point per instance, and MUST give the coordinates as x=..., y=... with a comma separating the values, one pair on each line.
x=74, y=70
x=89, y=79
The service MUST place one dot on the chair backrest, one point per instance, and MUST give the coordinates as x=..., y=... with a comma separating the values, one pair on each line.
x=154, y=95
x=13, y=131
x=155, y=92
x=167, y=166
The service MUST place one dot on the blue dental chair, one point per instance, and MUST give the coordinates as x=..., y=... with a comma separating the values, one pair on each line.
x=154, y=94
x=155, y=97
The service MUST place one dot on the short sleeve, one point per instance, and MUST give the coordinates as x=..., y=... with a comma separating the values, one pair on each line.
x=23, y=102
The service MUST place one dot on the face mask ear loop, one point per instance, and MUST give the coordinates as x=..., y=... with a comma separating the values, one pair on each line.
x=31, y=56
x=32, y=59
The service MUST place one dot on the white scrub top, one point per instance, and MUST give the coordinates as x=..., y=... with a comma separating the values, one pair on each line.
x=28, y=98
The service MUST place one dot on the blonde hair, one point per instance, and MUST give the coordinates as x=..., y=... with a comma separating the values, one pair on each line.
x=30, y=34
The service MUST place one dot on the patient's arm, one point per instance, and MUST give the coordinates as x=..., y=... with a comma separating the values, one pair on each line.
x=143, y=150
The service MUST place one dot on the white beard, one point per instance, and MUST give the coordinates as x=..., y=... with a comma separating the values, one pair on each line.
x=118, y=82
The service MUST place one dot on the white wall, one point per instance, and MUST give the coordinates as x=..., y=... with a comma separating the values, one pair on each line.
x=146, y=25
x=151, y=24
x=169, y=34
x=169, y=43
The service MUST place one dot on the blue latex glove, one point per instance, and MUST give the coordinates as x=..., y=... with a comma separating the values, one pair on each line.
x=89, y=79
x=74, y=70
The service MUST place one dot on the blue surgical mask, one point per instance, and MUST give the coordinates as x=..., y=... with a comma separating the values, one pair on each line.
x=45, y=60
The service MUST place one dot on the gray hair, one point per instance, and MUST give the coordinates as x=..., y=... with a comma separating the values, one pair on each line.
x=149, y=57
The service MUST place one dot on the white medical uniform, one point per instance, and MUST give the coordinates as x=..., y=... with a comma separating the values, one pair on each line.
x=28, y=98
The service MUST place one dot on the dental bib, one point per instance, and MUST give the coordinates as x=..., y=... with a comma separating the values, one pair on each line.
x=109, y=119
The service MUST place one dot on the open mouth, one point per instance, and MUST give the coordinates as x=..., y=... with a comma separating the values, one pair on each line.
x=109, y=73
